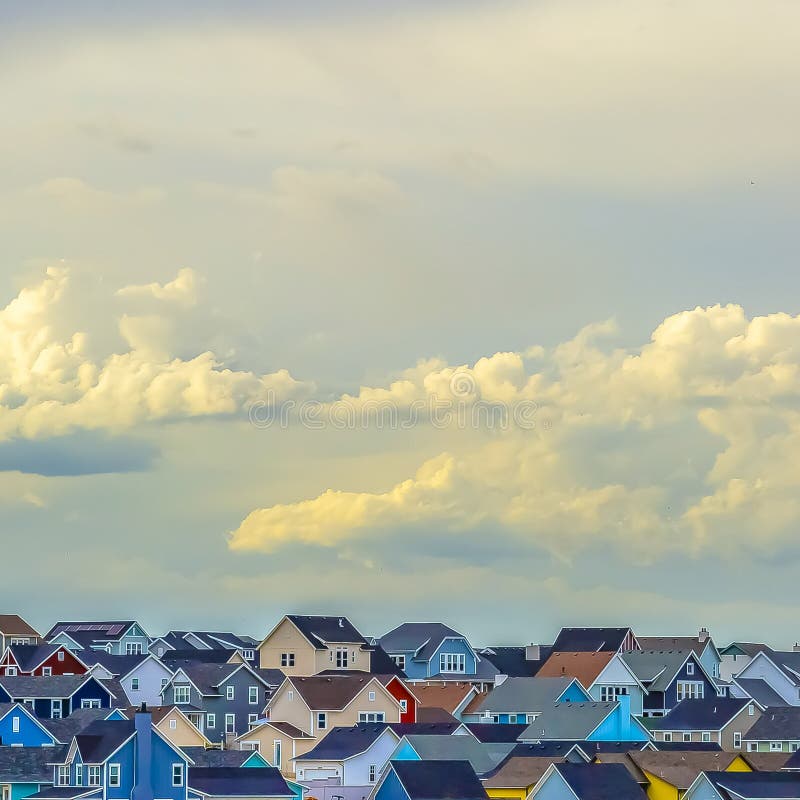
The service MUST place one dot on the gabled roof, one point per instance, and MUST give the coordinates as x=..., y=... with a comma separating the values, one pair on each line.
x=52, y=686
x=692, y=643
x=755, y=785
x=7, y=708
x=567, y=721
x=80, y=719
x=760, y=691
x=680, y=768
x=332, y=692
x=14, y=625
x=745, y=648
x=212, y=640
x=30, y=656
x=571, y=640
x=495, y=732
x=483, y=756
x=656, y=669
x=292, y=731
x=95, y=631
x=320, y=631
x=341, y=743
x=600, y=781
x=776, y=723
x=211, y=757
x=118, y=666
x=512, y=661
x=787, y=661
x=29, y=764
x=439, y=780
x=449, y=696
x=707, y=714
x=426, y=728
x=102, y=739
x=524, y=695
x=420, y=638
x=585, y=666
x=199, y=656
x=237, y=782
x=207, y=678
x=434, y=714
x=519, y=772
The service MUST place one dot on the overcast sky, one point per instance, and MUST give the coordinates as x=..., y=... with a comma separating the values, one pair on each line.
x=228, y=237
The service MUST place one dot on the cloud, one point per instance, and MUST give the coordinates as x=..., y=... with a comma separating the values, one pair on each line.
x=182, y=289
x=606, y=460
x=49, y=386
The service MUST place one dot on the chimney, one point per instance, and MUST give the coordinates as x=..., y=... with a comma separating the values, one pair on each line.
x=703, y=635
x=533, y=652
x=796, y=648
x=143, y=777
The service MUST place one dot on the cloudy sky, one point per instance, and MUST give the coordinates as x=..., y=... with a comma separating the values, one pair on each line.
x=477, y=311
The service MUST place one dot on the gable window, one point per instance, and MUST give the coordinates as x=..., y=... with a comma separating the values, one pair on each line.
x=400, y=661
x=230, y=692
x=63, y=775
x=47, y=672
x=177, y=774
x=230, y=723
x=341, y=658
x=287, y=659
x=404, y=706
x=173, y=724
x=164, y=683
x=135, y=684
x=322, y=721
x=211, y=720
x=11, y=672
x=290, y=695
x=60, y=655
x=248, y=655
x=79, y=774
x=113, y=775
x=252, y=695
x=181, y=695
x=252, y=719
x=452, y=662
x=93, y=775
x=373, y=773
x=751, y=710
x=133, y=648
x=90, y=703
x=689, y=690
x=737, y=740
x=372, y=697
x=609, y=694
x=690, y=668
x=371, y=716
x=15, y=724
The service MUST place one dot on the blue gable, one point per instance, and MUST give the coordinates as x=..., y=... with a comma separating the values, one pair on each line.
x=391, y=788
x=30, y=734
x=456, y=647
x=619, y=726
x=91, y=690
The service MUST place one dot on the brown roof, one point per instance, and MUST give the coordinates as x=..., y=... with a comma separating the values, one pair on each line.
x=626, y=761
x=158, y=712
x=290, y=730
x=472, y=706
x=448, y=696
x=583, y=666
x=681, y=767
x=766, y=762
x=520, y=772
x=330, y=692
x=431, y=714
x=14, y=625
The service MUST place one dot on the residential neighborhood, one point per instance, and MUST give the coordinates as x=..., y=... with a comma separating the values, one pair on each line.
x=317, y=708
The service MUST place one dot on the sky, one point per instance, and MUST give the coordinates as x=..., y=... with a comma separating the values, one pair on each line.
x=481, y=312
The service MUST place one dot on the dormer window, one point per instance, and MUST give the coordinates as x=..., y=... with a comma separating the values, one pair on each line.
x=63, y=775
x=341, y=658
x=248, y=655
x=181, y=695
x=452, y=662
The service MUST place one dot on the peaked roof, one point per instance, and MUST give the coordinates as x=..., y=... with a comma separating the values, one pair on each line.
x=520, y=771
x=320, y=631
x=421, y=638
x=680, y=768
x=102, y=738
x=760, y=691
x=208, y=757
x=80, y=719
x=756, y=785
x=787, y=661
x=439, y=780
x=448, y=696
x=709, y=714
x=570, y=640
x=781, y=722
x=331, y=692
x=495, y=732
x=524, y=695
x=14, y=625
x=341, y=743
x=213, y=640
x=585, y=666
x=600, y=781
x=513, y=661
x=238, y=782
x=55, y=686
x=692, y=643
x=97, y=631
x=118, y=666
x=207, y=678
x=29, y=656
x=29, y=764
x=745, y=648
x=657, y=668
x=567, y=721
x=483, y=756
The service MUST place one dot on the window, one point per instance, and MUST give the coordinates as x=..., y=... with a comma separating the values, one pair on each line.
x=373, y=773
x=452, y=662
x=177, y=774
x=55, y=709
x=752, y=747
x=290, y=695
x=706, y=736
x=690, y=668
x=610, y=693
x=793, y=747
x=90, y=703
x=113, y=775
x=400, y=661
x=15, y=724
x=372, y=697
x=529, y=718
x=341, y=658
x=248, y=655
x=722, y=691
x=667, y=736
x=252, y=695
x=133, y=648
x=164, y=683
x=751, y=709
x=135, y=684
x=287, y=659
x=47, y=672
x=322, y=721
x=737, y=740
x=403, y=706
x=252, y=719
x=93, y=775
x=79, y=774
x=687, y=737
x=211, y=720
x=11, y=672
x=181, y=694
x=276, y=750
x=775, y=747
x=173, y=724
x=230, y=692
x=689, y=690
x=371, y=716
x=60, y=655
x=230, y=723
x=63, y=775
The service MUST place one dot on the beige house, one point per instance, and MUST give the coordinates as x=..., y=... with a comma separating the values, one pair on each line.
x=175, y=726
x=721, y=720
x=302, y=645
x=278, y=742
x=317, y=704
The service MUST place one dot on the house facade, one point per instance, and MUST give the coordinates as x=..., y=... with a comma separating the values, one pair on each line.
x=15, y=631
x=41, y=660
x=120, y=638
x=57, y=696
x=279, y=742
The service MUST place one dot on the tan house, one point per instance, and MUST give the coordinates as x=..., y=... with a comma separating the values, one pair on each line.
x=318, y=703
x=176, y=727
x=302, y=645
x=14, y=630
x=278, y=742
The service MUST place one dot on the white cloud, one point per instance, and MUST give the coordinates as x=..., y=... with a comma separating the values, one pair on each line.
x=182, y=289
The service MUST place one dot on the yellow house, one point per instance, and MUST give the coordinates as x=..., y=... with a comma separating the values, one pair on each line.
x=279, y=743
x=176, y=727
x=308, y=645
x=517, y=776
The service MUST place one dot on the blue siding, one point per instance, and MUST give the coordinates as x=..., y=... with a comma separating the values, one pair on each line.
x=671, y=694
x=405, y=752
x=19, y=791
x=575, y=694
x=125, y=758
x=391, y=788
x=619, y=726
x=457, y=646
x=91, y=690
x=163, y=759
x=554, y=788
x=30, y=733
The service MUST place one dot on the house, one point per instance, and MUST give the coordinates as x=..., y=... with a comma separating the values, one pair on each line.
x=66, y=728
x=56, y=696
x=24, y=771
x=279, y=742
x=669, y=676
x=245, y=646
x=175, y=726
x=353, y=756
x=319, y=703
x=142, y=676
x=776, y=673
x=518, y=700
x=433, y=651
x=701, y=645
x=121, y=758
x=429, y=780
x=604, y=675
x=40, y=660
x=212, y=783
x=14, y=630
x=568, y=781
x=776, y=730
x=723, y=720
x=595, y=640
x=586, y=722
x=308, y=645
x=454, y=698
x=19, y=727
x=121, y=638
x=517, y=662
x=483, y=757
x=736, y=656
x=222, y=700
x=744, y=786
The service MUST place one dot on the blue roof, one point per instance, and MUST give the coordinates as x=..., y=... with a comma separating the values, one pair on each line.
x=341, y=742
x=601, y=781
x=757, y=785
x=707, y=714
x=238, y=782
x=496, y=732
x=439, y=780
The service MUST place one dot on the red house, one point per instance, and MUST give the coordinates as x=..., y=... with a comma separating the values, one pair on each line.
x=401, y=693
x=41, y=660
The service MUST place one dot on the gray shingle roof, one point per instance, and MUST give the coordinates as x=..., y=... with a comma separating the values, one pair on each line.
x=776, y=724
x=64, y=729
x=206, y=677
x=204, y=757
x=524, y=695
x=567, y=721
x=788, y=662
x=29, y=764
x=424, y=637
x=482, y=756
x=656, y=667
x=24, y=686
x=321, y=630
x=761, y=691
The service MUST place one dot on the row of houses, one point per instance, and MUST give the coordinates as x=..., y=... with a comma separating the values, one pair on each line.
x=319, y=709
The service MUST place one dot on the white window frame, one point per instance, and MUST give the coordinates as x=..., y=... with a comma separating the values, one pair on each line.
x=248, y=655
x=371, y=716
x=776, y=747
x=90, y=702
x=705, y=736
x=403, y=706
x=751, y=710
x=11, y=672
x=342, y=657
x=79, y=774
x=230, y=692
x=177, y=774
x=400, y=661
x=252, y=695
x=55, y=709
x=93, y=774
x=211, y=720
x=667, y=736
x=689, y=668
x=689, y=690
x=181, y=688
x=15, y=724
x=252, y=719
x=62, y=775
x=687, y=736
x=372, y=697
x=453, y=662
x=737, y=740
x=287, y=659
x=173, y=724
x=752, y=747
x=373, y=773
x=277, y=752
x=47, y=672
x=230, y=723
x=113, y=782
x=322, y=721
x=60, y=656
x=133, y=648
x=134, y=684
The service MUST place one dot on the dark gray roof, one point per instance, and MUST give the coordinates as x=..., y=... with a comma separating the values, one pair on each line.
x=97, y=631
x=345, y=742
x=439, y=780
x=511, y=661
x=64, y=729
x=490, y=732
x=29, y=656
x=237, y=782
x=761, y=691
x=208, y=677
x=591, y=640
x=748, y=648
x=788, y=661
x=776, y=723
x=657, y=668
x=200, y=656
x=55, y=686
x=482, y=756
x=272, y=677
x=116, y=665
x=204, y=757
x=600, y=781
x=421, y=638
x=102, y=738
x=29, y=764
x=66, y=793
x=524, y=695
x=707, y=714
x=567, y=721
x=213, y=640
x=321, y=630
x=757, y=785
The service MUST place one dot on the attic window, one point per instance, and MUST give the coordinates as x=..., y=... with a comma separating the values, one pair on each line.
x=751, y=710
x=248, y=655
x=690, y=668
x=400, y=661
x=60, y=655
x=287, y=659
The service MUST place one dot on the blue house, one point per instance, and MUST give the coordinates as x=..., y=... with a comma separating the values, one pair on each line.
x=519, y=700
x=119, y=637
x=56, y=696
x=120, y=760
x=431, y=650
x=669, y=677
x=587, y=782
x=26, y=770
x=429, y=780
x=20, y=728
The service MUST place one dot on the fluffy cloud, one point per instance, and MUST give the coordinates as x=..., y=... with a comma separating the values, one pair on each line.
x=182, y=289
x=50, y=386
x=616, y=453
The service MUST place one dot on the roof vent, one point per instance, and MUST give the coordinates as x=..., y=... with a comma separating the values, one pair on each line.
x=341, y=622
